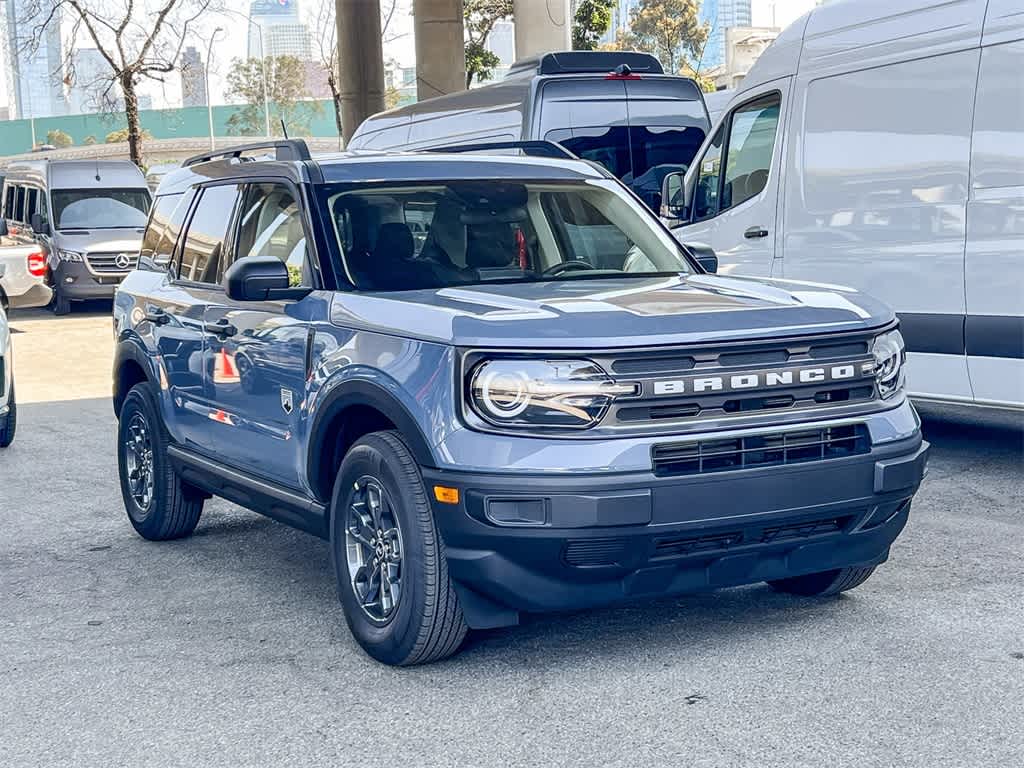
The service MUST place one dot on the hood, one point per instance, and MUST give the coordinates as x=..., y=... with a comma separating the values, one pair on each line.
x=128, y=239
x=607, y=313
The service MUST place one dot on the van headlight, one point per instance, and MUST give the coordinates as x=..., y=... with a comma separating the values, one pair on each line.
x=69, y=255
x=560, y=394
x=890, y=354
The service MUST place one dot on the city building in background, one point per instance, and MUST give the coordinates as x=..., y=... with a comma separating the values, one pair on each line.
x=282, y=30
x=502, y=42
x=193, y=79
x=621, y=16
x=720, y=15
x=743, y=47
x=37, y=69
x=88, y=80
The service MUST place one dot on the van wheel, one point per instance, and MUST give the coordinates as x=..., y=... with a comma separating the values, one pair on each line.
x=389, y=559
x=160, y=504
x=825, y=583
x=61, y=304
x=9, y=423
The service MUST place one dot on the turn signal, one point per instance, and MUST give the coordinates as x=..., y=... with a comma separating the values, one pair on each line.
x=446, y=495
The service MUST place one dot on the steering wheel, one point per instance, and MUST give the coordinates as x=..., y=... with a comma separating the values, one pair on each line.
x=566, y=266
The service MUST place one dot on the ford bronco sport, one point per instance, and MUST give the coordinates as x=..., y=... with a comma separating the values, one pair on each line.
x=545, y=403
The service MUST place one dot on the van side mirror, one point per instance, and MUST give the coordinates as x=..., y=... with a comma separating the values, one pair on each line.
x=261, y=278
x=705, y=256
x=39, y=224
x=674, y=202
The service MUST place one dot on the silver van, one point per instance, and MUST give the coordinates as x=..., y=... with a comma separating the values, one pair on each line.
x=879, y=144
x=89, y=215
x=617, y=108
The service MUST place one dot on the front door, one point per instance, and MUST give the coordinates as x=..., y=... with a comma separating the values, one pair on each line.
x=259, y=353
x=735, y=185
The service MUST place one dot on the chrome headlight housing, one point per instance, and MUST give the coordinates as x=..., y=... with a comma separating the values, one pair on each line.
x=69, y=255
x=890, y=355
x=552, y=394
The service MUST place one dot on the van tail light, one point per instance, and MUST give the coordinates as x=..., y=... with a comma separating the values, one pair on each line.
x=37, y=264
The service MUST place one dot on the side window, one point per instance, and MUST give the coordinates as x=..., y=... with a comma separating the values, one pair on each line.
x=19, y=204
x=749, y=159
x=30, y=203
x=165, y=222
x=705, y=194
x=270, y=224
x=204, y=243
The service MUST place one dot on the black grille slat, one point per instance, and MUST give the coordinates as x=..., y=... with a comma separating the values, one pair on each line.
x=107, y=262
x=720, y=455
x=591, y=553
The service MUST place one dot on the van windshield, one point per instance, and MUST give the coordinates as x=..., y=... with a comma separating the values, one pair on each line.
x=100, y=208
x=640, y=156
x=472, y=232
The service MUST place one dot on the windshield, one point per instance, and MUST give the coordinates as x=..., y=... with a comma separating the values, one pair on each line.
x=471, y=232
x=100, y=208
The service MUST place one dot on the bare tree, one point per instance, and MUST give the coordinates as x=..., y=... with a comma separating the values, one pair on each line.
x=325, y=33
x=139, y=40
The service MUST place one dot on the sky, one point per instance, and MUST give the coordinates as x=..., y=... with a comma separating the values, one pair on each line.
x=399, y=45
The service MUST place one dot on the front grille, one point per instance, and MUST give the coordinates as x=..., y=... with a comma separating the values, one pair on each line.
x=690, y=545
x=592, y=553
x=726, y=454
x=107, y=262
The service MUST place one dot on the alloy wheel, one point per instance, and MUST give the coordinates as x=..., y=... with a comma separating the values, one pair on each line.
x=373, y=544
x=138, y=455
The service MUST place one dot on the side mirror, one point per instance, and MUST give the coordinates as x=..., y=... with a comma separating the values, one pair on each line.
x=39, y=224
x=261, y=278
x=674, y=204
x=705, y=256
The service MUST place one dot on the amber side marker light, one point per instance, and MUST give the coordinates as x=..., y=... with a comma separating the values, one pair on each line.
x=446, y=495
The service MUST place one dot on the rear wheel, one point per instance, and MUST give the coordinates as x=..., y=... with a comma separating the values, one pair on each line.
x=9, y=422
x=825, y=583
x=389, y=560
x=160, y=504
x=61, y=303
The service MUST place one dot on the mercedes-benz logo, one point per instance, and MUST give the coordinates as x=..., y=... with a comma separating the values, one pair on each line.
x=123, y=261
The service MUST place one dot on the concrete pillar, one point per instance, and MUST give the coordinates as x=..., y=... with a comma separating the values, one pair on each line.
x=360, y=62
x=542, y=26
x=440, y=49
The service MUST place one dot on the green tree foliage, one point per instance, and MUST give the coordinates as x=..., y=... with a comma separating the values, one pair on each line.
x=670, y=30
x=122, y=134
x=286, y=87
x=480, y=17
x=59, y=138
x=591, y=20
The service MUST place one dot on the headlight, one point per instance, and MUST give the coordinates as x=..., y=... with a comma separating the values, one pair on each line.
x=890, y=355
x=69, y=255
x=565, y=394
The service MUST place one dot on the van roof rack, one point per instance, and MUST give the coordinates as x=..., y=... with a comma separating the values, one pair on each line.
x=582, y=62
x=285, y=149
x=531, y=148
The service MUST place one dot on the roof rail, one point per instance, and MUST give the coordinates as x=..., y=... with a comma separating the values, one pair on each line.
x=286, y=149
x=587, y=62
x=531, y=148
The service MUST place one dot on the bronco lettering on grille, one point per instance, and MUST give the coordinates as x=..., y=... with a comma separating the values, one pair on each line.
x=763, y=379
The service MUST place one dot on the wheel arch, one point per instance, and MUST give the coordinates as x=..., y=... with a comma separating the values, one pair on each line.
x=349, y=411
x=131, y=366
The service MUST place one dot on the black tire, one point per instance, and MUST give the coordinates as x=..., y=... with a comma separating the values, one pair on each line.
x=61, y=303
x=173, y=507
x=426, y=623
x=825, y=583
x=9, y=422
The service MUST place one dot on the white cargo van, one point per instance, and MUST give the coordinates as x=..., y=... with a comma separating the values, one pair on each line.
x=879, y=144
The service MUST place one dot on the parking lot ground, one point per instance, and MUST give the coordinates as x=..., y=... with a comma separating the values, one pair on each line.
x=230, y=648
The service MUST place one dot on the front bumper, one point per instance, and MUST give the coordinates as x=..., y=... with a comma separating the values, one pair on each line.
x=38, y=295
x=74, y=280
x=540, y=543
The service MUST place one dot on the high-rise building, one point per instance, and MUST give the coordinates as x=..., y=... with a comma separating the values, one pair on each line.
x=502, y=42
x=720, y=15
x=275, y=29
x=622, y=13
x=193, y=79
x=36, y=65
x=89, y=81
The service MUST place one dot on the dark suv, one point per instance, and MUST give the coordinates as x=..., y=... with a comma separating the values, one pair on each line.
x=542, y=404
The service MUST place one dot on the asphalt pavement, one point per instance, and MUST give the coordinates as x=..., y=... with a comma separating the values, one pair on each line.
x=230, y=649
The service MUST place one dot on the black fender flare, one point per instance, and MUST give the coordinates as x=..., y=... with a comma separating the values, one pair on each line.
x=366, y=393
x=130, y=349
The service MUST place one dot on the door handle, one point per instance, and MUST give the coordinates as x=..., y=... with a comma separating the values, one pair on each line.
x=221, y=328
x=156, y=316
x=755, y=232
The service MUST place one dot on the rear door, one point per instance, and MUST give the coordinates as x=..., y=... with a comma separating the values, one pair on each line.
x=259, y=353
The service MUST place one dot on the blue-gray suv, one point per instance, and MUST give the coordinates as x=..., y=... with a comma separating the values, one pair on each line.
x=496, y=384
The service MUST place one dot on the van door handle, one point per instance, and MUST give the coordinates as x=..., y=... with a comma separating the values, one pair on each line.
x=755, y=232
x=222, y=328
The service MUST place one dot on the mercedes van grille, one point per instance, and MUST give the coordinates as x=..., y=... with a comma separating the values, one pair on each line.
x=112, y=263
x=700, y=457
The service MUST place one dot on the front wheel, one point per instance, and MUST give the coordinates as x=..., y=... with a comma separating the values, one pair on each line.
x=61, y=303
x=9, y=421
x=160, y=504
x=389, y=559
x=825, y=583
